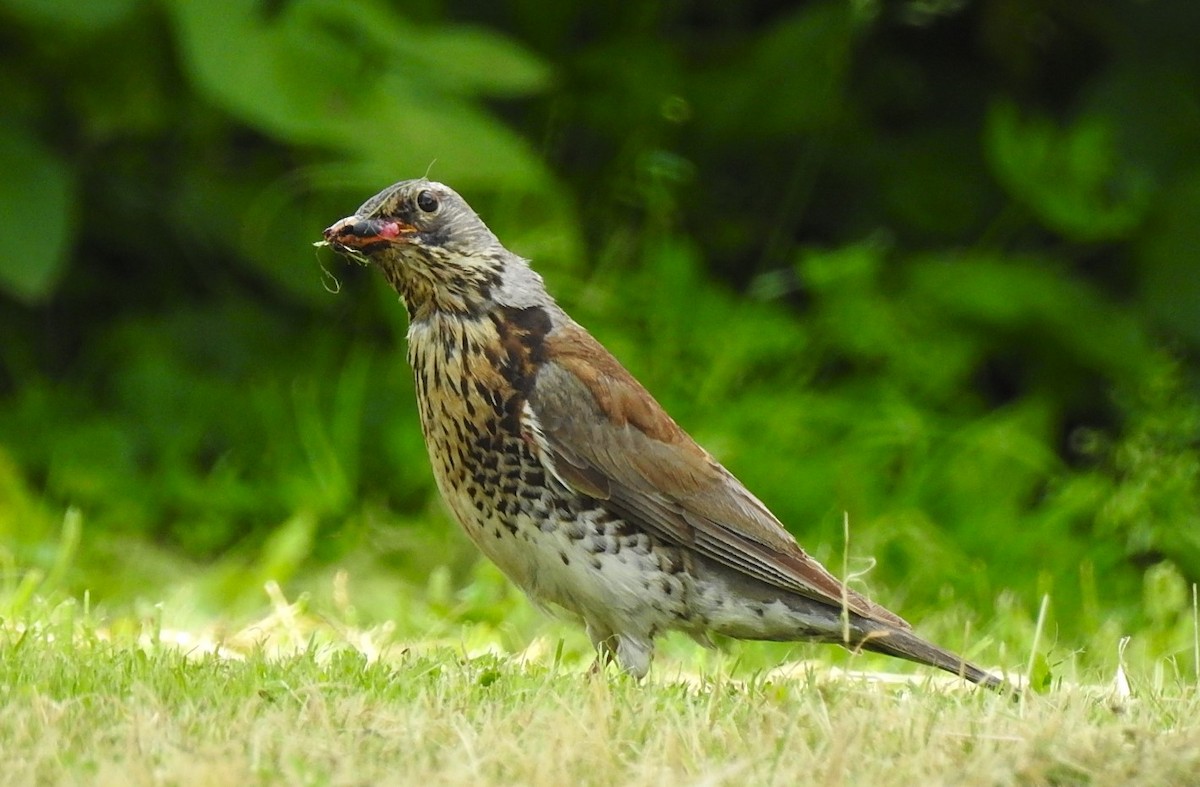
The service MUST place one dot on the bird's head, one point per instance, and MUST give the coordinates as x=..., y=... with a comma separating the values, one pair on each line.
x=424, y=237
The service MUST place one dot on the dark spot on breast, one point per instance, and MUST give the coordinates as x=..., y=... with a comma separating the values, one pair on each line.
x=522, y=334
x=566, y=560
x=511, y=422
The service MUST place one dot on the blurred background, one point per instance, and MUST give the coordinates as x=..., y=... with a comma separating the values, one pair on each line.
x=925, y=266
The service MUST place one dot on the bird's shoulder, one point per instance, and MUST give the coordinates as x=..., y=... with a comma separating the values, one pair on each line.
x=617, y=395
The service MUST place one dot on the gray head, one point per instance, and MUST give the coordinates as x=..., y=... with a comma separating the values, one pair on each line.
x=435, y=251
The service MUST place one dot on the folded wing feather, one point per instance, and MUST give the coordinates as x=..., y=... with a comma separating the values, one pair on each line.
x=604, y=435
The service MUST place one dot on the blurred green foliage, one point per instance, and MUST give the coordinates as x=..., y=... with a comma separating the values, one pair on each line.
x=930, y=263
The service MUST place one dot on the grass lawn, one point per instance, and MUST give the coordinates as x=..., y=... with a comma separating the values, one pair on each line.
x=115, y=701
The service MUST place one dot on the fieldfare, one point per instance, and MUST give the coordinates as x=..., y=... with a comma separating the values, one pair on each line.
x=567, y=473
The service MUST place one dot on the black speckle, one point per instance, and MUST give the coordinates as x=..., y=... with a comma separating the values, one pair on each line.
x=620, y=528
x=597, y=564
x=760, y=612
x=511, y=422
x=566, y=560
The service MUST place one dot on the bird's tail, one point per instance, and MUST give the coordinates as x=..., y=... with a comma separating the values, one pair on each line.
x=882, y=638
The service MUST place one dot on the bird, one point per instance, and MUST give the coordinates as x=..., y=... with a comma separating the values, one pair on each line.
x=568, y=475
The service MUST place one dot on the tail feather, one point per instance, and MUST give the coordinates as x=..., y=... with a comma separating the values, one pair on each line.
x=907, y=645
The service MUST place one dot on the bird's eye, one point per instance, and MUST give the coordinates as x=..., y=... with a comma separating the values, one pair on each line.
x=427, y=202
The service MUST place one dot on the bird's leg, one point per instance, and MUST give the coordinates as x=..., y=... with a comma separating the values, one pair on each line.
x=631, y=654
x=605, y=643
x=634, y=655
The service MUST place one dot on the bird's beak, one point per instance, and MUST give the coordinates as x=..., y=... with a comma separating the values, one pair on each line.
x=365, y=235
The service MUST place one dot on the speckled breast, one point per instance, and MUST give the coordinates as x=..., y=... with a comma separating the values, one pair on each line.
x=557, y=545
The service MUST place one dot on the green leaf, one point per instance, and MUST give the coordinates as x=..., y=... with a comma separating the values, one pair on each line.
x=37, y=201
x=793, y=77
x=1070, y=178
x=474, y=59
x=90, y=16
x=449, y=58
x=1166, y=254
x=352, y=76
x=1019, y=296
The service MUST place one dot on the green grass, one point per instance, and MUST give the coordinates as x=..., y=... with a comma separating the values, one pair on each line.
x=300, y=698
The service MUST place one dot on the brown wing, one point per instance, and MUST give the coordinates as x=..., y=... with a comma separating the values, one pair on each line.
x=608, y=438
